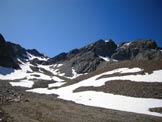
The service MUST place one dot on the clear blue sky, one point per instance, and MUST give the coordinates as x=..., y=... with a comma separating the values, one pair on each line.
x=54, y=26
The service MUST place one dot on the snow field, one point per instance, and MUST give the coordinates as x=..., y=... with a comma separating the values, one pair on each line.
x=90, y=98
x=107, y=100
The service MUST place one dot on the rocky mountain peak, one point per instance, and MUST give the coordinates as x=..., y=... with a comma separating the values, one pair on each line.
x=98, y=48
x=101, y=47
x=35, y=52
x=85, y=59
x=92, y=56
x=59, y=58
x=143, y=44
x=130, y=50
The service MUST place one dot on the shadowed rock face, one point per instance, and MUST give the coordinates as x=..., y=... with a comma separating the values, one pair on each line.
x=2, y=40
x=17, y=50
x=6, y=55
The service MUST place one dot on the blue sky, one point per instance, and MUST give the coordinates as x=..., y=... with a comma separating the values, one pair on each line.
x=54, y=26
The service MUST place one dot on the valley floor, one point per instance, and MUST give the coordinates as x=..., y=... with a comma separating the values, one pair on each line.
x=16, y=105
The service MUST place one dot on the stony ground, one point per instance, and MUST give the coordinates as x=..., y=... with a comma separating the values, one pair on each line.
x=19, y=106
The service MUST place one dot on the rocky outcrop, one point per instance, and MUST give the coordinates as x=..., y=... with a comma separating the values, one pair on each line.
x=151, y=54
x=138, y=49
x=100, y=48
x=59, y=58
x=35, y=52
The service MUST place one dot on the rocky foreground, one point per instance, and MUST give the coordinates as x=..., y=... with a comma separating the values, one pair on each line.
x=16, y=105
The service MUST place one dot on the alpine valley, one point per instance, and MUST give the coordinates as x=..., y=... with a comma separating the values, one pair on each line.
x=100, y=82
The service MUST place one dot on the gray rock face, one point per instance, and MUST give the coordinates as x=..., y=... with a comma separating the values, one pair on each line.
x=149, y=55
x=129, y=51
x=101, y=48
x=86, y=63
x=59, y=58
x=143, y=44
x=85, y=59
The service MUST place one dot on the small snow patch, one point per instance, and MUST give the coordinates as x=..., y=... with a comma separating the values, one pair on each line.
x=55, y=78
x=58, y=84
x=59, y=65
x=31, y=57
x=124, y=70
x=75, y=75
x=127, y=44
x=26, y=67
x=23, y=83
x=105, y=58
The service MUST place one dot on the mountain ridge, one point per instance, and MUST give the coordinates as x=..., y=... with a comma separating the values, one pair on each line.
x=83, y=60
x=95, y=55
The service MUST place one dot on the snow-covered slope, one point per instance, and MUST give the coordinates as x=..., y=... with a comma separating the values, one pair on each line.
x=27, y=77
x=30, y=73
x=108, y=100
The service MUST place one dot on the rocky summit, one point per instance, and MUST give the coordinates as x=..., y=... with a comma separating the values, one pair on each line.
x=101, y=52
x=139, y=50
x=85, y=59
